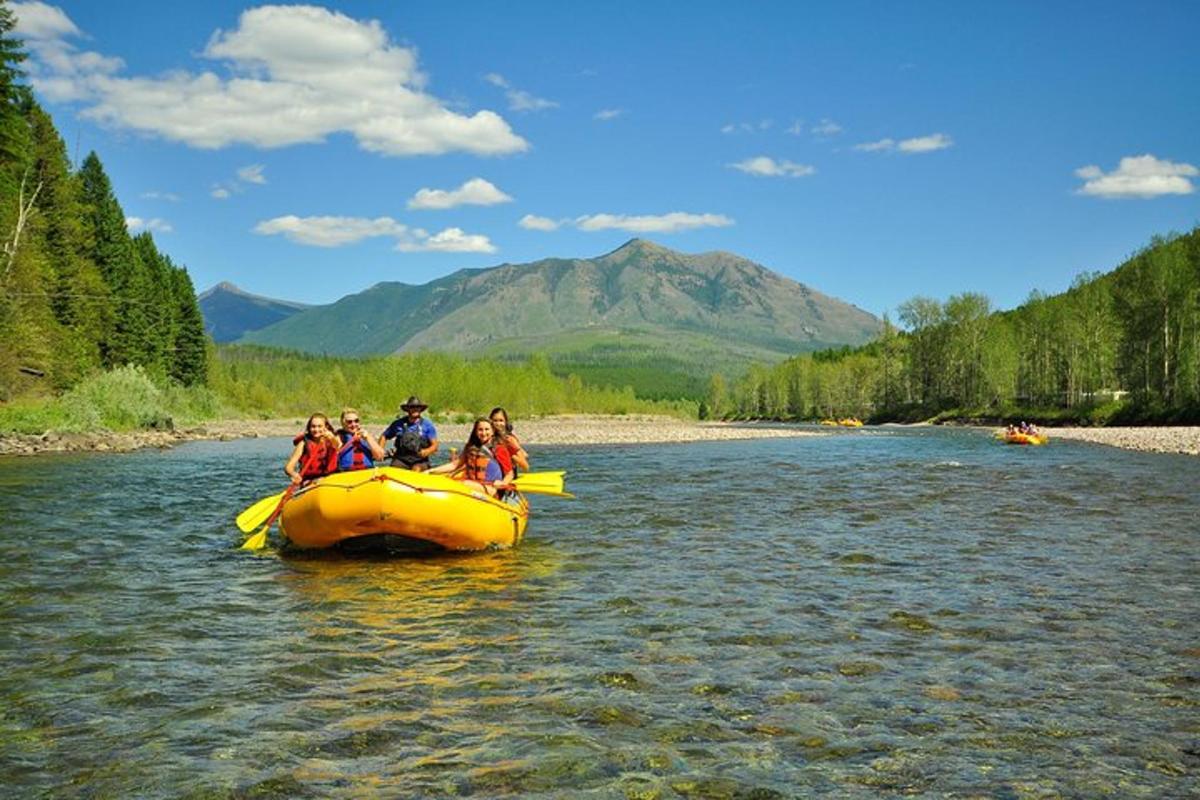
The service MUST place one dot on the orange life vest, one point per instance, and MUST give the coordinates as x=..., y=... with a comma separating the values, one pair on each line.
x=475, y=464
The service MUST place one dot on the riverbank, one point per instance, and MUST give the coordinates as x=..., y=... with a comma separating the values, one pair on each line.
x=566, y=429
x=1184, y=440
x=556, y=430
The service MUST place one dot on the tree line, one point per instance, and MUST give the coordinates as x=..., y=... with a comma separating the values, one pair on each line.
x=1120, y=346
x=78, y=292
x=262, y=381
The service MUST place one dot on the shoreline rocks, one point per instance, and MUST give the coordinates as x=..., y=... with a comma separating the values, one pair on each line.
x=555, y=430
x=567, y=429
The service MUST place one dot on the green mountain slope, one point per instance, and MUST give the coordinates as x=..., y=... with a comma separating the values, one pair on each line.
x=641, y=307
x=229, y=313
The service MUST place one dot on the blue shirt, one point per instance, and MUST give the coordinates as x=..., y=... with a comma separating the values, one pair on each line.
x=400, y=426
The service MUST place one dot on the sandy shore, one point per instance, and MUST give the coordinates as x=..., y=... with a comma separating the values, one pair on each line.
x=550, y=430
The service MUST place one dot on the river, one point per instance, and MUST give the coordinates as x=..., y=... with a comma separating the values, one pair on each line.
x=868, y=614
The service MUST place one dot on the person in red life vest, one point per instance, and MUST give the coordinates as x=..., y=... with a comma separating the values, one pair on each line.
x=358, y=450
x=316, y=451
x=505, y=440
x=416, y=438
x=478, y=465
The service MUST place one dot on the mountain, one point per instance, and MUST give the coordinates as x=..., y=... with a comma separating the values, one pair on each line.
x=229, y=313
x=674, y=317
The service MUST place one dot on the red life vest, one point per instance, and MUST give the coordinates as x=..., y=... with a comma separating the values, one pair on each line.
x=318, y=458
x=358, y=458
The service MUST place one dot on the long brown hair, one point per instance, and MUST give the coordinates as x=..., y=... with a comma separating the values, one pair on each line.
x=500, y=435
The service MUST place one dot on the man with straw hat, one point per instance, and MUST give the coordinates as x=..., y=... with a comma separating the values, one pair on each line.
x=416, y=438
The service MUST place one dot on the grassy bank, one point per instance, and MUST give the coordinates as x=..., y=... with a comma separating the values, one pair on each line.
x=123, y=399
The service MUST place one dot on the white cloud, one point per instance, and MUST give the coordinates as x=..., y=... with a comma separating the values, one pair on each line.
x=451, y=240
x=1138, y=176
x=796, y=128
x=220, y=193
x=518, y=99
x=606, y=114
x=329, y=231
x=39, y=21
x=662, y=223
x=768, y=167
x=532, y=222
x=919, y=144
x=155, y=195
x=475, y=192
x=876, y=147
x=925, y=144
x=136, y=224
x=294, y=74
x=252, y=173
x=826, y=127
x=747, y=127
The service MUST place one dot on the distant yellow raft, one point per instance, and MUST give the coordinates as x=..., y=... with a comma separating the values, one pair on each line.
x=1025, y=438
x=428, y=509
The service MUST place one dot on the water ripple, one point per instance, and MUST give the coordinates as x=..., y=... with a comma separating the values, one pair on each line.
x=892, y=613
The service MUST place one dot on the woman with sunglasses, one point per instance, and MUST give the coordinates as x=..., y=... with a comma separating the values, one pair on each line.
x=358, y=450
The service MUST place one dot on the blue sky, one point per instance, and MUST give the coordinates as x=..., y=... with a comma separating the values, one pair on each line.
x=872, y=150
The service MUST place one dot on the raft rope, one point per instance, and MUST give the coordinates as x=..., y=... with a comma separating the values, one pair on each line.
x=384, y=477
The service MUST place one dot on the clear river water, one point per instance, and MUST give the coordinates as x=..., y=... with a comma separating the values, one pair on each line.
x=873, y=613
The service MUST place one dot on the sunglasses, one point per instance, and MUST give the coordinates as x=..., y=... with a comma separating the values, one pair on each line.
x=352, y=421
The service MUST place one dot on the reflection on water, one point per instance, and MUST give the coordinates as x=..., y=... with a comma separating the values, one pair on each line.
x=871, y=614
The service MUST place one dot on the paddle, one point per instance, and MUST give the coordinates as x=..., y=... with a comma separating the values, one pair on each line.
x=550, y=483
x=259, y=539
x=254, y=516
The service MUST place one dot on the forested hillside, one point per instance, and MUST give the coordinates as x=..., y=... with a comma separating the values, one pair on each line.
x=1123, y=345
x=78, y=293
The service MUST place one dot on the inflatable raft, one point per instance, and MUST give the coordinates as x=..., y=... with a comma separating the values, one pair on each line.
x=1025, y=438
x=413, y=509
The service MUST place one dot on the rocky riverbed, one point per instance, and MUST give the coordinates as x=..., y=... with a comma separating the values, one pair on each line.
x=567, y=429
x=574, y=429
x=1151, y=440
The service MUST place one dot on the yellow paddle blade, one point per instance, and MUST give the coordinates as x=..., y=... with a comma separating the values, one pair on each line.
x=258, y=541
x=545, y=476
x=547, y=485
x=550, y=483
x=257, y=514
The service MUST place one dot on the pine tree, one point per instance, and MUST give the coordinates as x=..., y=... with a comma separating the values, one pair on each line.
x=160, y=308
x=79, y=296
x=12, y=54
x=190, y=363
x=112, y=250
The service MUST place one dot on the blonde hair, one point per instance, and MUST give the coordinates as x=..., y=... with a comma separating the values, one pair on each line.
x=345, y=411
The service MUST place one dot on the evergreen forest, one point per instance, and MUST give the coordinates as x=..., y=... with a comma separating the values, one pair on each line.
x=78, y=293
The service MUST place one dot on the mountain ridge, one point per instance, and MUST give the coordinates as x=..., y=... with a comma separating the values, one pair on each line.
x=230, y=312
x=641, y=303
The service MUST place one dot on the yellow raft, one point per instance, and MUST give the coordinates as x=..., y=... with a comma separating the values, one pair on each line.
x=429, y=511
x=1025, y=438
